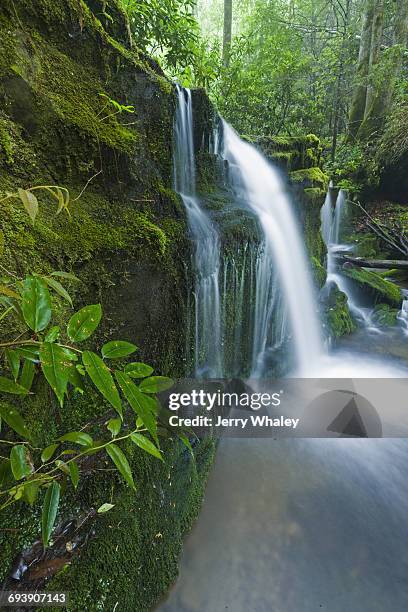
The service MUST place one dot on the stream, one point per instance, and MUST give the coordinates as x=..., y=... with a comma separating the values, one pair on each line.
x=292, y=525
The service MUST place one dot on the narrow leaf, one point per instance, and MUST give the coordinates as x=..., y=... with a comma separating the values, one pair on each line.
x=74, y=473
x=36, y=303
x=146, y=445
x=155, y=384
x=13, y=359
x=105, y=508
x=48, y=452
x=56, y=367
x=18, y=460
x=117, y=348
x=27, y=375
x=138, y=402
x=121, y=463
x=58, y=288
x=102, y=379
x=9, y=292
x=30, y=203
x=49, y=512
x=79, y=437
x=84, y=322
x=138, y=370
x=9, y=386
x=66, y=275
x=30, y=352
x=14, y=420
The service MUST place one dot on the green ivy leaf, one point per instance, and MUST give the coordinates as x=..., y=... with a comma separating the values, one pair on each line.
x=53, y=334
x=56, y=367
x=49, y=512
x=138, y=402
x=138, y=370
x=102, y=379
x=27, y=375
x=30, y=203
x=58, y=288
x=84, y=322
x=74, y=473
x=48, y=452
x=36, y=303
x=117, y=348
x=121, y=463
x=114, y=426
x=79, y=437
x=18, y=461
x=105, y=508
x=146, y=445
x=13, y=359
x=155, y=384
x=9, y=386
x=14, y=420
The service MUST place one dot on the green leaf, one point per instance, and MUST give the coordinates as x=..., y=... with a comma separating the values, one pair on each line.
x=138, y=370
x=117, y=348
x=30, y=352
x=121, y=463
x=102, y=379
x=114, y=426
x=74, y=473
x=66, y=275
x=13, y=359
x=56, y=367
x=105, y=508
x=146, y=445
x=53, y=334
x=84, y=322
x=79, y=437
x=18, y=460
x=48, y=452
x=6, y=477
x=30, y=492
x=14, y=420
x=58, y=288
x=9, y=386
x=9, y=292
x=30, y=203
x=155, y=384
x=185, y=441
x=138, y=402
x=27, y=375
x=49, y=512
x=36, y=303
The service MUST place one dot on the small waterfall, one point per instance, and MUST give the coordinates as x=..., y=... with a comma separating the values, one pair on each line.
x=403, y=314
x=207, y=319
x=283, y=251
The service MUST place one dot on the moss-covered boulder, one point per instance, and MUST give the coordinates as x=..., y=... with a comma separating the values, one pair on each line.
x=336, y=312
x=291, y=153
x=310, y=178
x=385, y=316
x=382, y=290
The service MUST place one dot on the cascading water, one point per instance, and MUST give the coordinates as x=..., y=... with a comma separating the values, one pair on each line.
x=284, y=252
x=207, y=311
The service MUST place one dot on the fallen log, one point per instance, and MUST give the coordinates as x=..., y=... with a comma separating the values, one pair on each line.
x=386, y=264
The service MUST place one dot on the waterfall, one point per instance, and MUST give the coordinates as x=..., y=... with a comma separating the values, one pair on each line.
x=206, y=263
x=283, y=251
x=403, y=314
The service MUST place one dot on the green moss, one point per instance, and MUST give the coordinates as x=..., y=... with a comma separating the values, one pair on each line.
x=310, y=178
x=365, y=244
x=382, y=290
x=339, y=320
x=6, y=143
x=384, y=315
x=319, y=273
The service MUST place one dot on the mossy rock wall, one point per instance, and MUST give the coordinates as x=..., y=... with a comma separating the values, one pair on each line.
x=126, y=241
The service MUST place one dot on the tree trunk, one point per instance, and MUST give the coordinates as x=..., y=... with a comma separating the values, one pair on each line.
x=376, y=36
x=226, y=47
x=358, y=103
x=338, y=95
x=378, y=106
